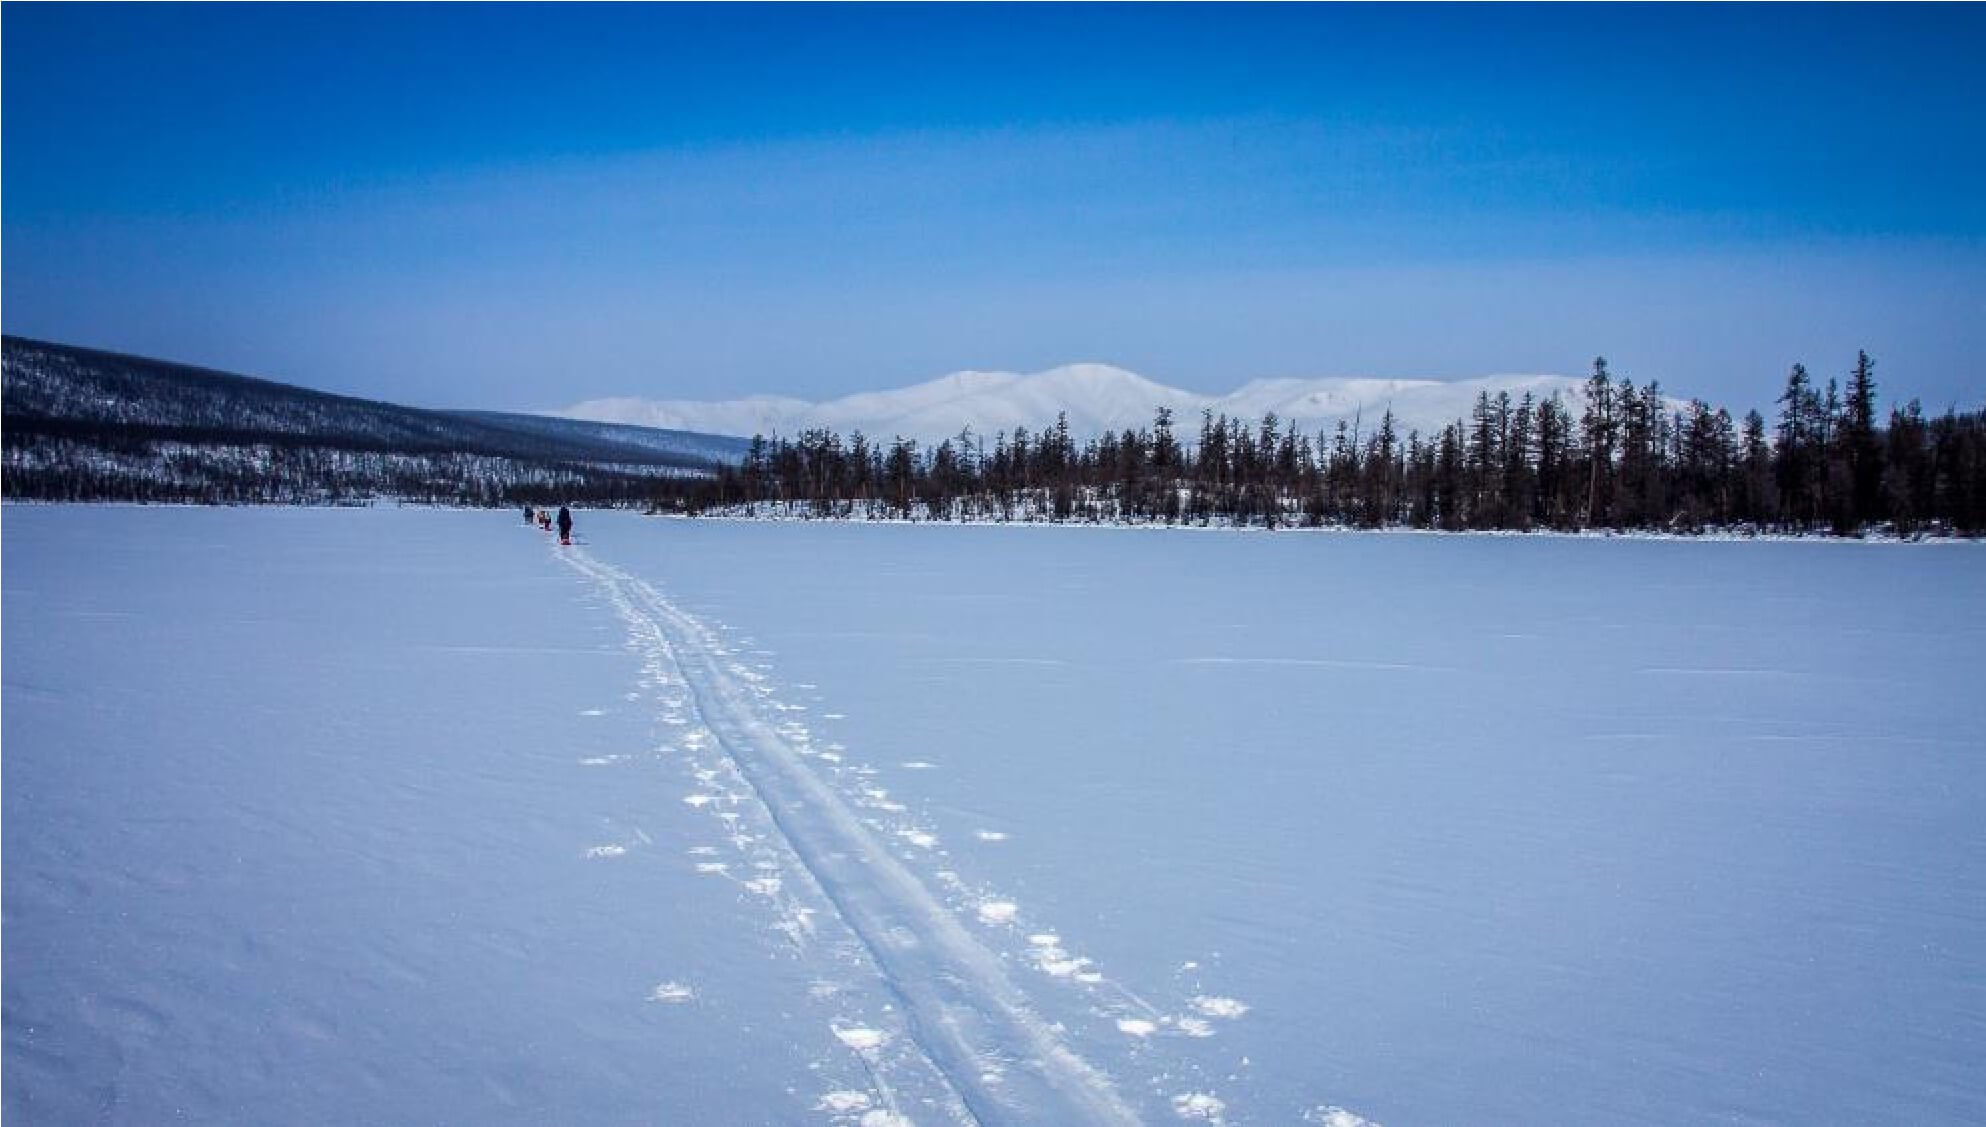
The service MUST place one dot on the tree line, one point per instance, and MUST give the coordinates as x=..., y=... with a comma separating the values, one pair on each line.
x=1628, y=459
x=68, y=461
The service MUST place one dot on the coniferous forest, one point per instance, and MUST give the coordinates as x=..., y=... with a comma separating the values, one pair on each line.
x=86, y=425
x=1627, y=458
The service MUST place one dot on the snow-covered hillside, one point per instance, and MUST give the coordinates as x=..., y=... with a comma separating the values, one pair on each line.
x=407, y=815
x=1097, y=397
x=88, y=425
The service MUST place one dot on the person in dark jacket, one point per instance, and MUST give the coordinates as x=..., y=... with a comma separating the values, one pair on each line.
x=565, y=525
x=530, y=515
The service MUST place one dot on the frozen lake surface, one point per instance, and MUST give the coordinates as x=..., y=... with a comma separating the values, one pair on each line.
x=410, y=815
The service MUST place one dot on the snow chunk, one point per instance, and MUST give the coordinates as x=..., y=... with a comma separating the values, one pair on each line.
x=844, y=1102
x=1198, y=1105
x=1195, y=1027
x=1061, y=964
x=860, y=1038
x=1213, y=1005
x=998, y=911
x=672, y=994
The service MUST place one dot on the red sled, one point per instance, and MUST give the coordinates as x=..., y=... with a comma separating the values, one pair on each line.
x=565, y=538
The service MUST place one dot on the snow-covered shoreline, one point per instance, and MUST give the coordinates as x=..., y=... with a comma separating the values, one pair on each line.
x=775, y=514
x=800, y=515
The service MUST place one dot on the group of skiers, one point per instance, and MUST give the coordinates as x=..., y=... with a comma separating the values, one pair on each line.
x=544, y=520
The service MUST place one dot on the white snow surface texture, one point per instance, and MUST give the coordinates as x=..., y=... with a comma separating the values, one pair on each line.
x=1095, y=397
x=404, y=815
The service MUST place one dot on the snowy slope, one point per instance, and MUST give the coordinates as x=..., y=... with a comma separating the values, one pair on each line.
x=1097, y=397
x=128, y=399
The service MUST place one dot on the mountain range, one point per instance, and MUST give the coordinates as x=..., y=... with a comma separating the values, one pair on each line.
x=1096, y=398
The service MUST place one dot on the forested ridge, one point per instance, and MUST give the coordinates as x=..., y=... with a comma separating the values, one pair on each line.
x=86, y=425
x=1627, y=459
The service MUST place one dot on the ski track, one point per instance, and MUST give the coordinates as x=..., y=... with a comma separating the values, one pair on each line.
x=965, y=1014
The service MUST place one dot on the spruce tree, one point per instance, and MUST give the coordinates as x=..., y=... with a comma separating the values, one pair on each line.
x=1797, y=448
x=1859, y=442
x=1598, y=425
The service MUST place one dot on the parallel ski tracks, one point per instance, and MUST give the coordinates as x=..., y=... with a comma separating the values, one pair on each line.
x=1006, y=1064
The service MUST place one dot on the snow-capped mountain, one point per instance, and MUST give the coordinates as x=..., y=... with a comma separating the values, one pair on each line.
x=1097, y=397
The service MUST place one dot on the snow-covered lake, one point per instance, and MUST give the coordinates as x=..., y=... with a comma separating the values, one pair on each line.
x=413, y=816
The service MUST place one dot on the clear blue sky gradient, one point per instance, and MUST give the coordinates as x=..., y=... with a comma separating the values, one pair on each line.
x=524, y=206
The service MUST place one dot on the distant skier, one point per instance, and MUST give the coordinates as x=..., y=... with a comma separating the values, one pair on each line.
x=530, y=515
x=565, y=525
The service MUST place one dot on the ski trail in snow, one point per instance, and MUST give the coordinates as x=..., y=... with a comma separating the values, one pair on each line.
x=967, y=1016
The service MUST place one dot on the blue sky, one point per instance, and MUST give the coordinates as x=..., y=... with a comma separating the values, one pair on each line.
x=524, y=206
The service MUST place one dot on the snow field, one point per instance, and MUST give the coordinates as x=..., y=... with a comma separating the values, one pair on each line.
x=404, y=814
